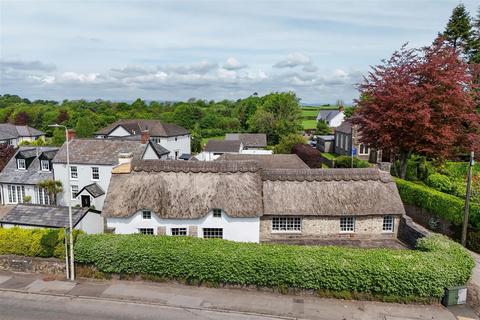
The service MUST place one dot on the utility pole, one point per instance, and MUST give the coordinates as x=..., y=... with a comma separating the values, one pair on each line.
x=467, y=200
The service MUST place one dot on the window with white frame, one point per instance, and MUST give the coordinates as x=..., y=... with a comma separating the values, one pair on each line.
x=45, y=165
x=21, y=164
x=388, y=223
x=179, y=231
x=363, y=149
x=213, y=233
x=42, y=196
x=15, y=193
x=146, y=214
x=347, y=224
x=217, y=213
x=95, y=173
x=74, y=190
x=73, y=173
x=286, y=224
x=145, y=230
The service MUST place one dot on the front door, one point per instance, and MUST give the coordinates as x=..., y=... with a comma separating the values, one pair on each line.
x=85, y=201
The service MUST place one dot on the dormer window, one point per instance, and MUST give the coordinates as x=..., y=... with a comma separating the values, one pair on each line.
x=21, y=164
x=217, y=213
x=45, y=165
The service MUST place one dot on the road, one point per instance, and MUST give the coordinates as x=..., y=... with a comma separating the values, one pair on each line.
x=24, y=306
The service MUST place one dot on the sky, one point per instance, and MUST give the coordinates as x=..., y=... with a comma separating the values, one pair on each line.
x=176, y=50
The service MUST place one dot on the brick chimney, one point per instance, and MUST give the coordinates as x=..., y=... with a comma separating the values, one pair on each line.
x=144, y=137
x=70, y=134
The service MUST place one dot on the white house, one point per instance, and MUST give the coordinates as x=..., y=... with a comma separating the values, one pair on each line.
x=43, y=216
x=215, y=148
x=91, y=163
x=333, y=118
x=170, y=136
x=13, y=135
x=26, y=169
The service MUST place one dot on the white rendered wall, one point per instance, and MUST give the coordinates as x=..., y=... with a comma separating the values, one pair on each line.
x=120, y=132
x=235, y=229
x=181, y=144
x=92, y=223
x=337, y=120
x=151, y=154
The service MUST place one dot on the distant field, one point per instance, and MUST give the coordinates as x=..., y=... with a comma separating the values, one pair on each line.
x=309, y=124
x=309, y=112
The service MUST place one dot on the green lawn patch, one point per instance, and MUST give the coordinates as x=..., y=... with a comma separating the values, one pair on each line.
x=309, y=124
x=329, y=156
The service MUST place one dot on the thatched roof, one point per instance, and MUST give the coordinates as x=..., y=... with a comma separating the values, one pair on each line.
x=189, y=190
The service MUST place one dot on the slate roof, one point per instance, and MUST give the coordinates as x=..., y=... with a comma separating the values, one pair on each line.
x=327, y=115
x=94, y=189
x=223, y=146
x=327, y=137
x=185, y=156
x=32, y=175
x=99, y=151
x=159, y=150
x=345, y=127
x=268, y=161
x=43, y=216
x=255, y=140
x=10, y=131
x=155, y=127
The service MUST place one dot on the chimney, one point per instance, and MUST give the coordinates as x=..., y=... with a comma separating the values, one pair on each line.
x=125, y=157
x=70, y=134
x=341, y=108
x=144, y=137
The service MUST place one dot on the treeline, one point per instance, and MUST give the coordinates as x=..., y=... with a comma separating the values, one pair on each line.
x=277, y=114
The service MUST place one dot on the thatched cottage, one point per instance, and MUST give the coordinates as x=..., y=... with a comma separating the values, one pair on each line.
x=245, y=201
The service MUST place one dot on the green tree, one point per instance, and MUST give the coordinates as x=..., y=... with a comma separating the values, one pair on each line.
x=84, y=128
x=287, y=142
x=53, y=188
x=459, y=32
x=322, y=128
x=58, y=136
x=475, y=54
x=196, y=139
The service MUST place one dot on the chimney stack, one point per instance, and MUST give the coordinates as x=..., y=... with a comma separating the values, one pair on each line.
x=144, y=137
x=125, y=157
x=70, y=134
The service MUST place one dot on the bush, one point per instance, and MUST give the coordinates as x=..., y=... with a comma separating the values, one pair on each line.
x=310, y=155
x=439, y=182
x=29, y=242
x=346, y=162
x=387, y=272
x=444, y=205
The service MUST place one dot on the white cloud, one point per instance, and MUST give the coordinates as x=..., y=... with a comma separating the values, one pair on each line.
x=233, y=64
x=26, y=65
x=294, y=60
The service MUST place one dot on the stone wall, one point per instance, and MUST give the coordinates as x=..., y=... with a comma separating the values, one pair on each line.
x=328, y=228
x=429, y=220
x=32, y=264
x=409, y=232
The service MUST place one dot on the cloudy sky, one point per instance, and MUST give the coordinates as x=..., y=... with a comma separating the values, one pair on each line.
x=175, y=50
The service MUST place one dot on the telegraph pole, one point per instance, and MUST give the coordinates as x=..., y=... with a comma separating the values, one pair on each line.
x=467, y=200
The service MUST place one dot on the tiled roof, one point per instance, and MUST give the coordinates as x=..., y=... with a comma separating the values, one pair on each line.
x=10, y=131
x=258, y=140
x=223, y=146
x=94, y=189
x=159, y=150
x=327, y=115
x=345, y=127
x=155, y=127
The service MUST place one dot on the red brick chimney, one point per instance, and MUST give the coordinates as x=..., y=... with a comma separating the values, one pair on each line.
x=70, y=134
x=144, y=137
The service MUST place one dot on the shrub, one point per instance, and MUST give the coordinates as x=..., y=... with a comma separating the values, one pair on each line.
x=346, y=162
x=310, y=155
x=439, y=182
x=388, y=272
x=28, y=242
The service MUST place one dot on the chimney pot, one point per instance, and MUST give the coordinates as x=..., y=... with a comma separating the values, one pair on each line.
x=70, y=134
x=144, y=137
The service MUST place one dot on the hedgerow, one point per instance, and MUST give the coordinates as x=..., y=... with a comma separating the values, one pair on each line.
x=388, y=272
x=443, y=205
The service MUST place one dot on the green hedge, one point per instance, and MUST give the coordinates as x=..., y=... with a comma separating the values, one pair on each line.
x=386, y=272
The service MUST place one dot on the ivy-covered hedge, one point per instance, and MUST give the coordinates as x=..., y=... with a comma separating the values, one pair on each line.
x=444, y=205
x=387, y=272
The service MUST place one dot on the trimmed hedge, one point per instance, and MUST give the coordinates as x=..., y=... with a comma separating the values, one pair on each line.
x=387, y=272
x=346, y=162
x=442, y=204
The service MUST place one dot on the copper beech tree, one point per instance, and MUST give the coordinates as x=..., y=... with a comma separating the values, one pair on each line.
x=419, y=101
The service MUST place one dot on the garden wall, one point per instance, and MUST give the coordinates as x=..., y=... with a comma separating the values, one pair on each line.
x=32, y=264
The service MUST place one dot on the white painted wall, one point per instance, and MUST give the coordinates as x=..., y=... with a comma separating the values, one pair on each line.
x=120, y=132
x=235, y=229
x=151, y=154
x=337, y=120
x=92, y=223
x=181, y=144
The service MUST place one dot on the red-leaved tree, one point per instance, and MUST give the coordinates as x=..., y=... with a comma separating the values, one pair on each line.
x=6, y=153
x=419, y=101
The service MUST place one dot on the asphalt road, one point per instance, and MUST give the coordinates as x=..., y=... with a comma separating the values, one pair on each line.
x=24, y=306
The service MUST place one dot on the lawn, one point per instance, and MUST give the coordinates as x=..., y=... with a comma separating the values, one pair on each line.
x=329, y=156
x=309, y=124
x=309, y=113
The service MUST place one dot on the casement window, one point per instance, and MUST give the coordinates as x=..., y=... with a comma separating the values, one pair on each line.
x=217, y=213
x=145, y=230
x=42, y=196
x=213, y=233
x=15, y=193
x=363, y=149
x=45, y=165
x=73, y=173
x=146, y=214
x=21, y=164
x=95, y=173
x=179, y=231
x=388, y=223
x=347, y=224
x=287, y=224
x=74, y=190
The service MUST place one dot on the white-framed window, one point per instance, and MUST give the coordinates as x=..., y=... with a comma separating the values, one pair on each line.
x=15, y=193
x=217, y=213
x=146, y=214
x=287, y=224
x=363, y=149
x=388, y=223
x=95, y=173
x=74, y=190
x=21, y=164
x=145, y=230
x=73, y=172
x=45, y=165
x=347, y=224
x=213, y=233
x=178, y=231
x=42, y=196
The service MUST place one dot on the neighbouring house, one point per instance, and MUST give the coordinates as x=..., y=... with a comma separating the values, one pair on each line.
x=243, y=201
x=172, y=137
x=14, y=135
x=268, y=161
x=91, y=163
x=333, y=117
x=215, y=148
x=325, y=143
x=26, y=169
x=43, y=216
x=347, y=136
x=250, y=141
